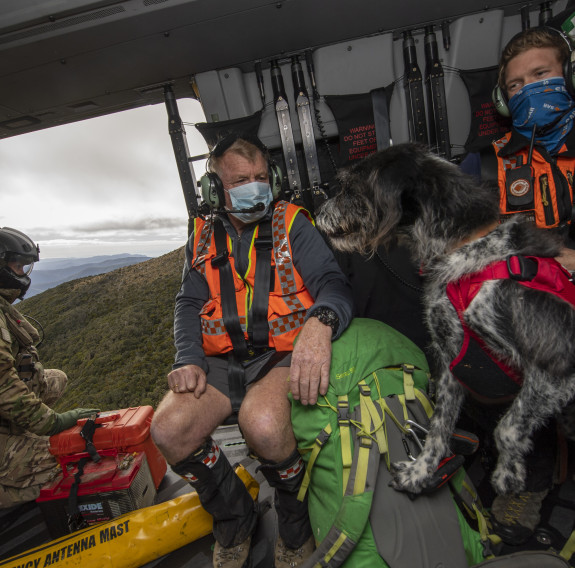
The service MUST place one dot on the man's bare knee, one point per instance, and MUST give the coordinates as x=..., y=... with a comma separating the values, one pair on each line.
x=267, y=426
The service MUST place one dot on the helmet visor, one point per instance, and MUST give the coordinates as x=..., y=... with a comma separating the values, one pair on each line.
x=20, y=264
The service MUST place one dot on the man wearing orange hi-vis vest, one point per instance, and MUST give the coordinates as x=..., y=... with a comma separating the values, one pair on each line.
x=257, y=275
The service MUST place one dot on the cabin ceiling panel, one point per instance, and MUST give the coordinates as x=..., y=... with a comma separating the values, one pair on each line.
x=64, y=60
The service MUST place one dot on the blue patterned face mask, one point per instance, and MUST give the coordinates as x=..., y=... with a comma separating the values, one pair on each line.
x=547, y=105
x=249, y=195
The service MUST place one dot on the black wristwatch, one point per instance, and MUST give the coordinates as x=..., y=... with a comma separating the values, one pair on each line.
x=326, y=316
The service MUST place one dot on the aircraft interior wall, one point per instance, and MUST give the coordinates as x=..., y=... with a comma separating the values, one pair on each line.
x=361, y=65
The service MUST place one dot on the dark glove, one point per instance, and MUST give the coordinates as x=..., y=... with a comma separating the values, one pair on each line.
x=68, y=419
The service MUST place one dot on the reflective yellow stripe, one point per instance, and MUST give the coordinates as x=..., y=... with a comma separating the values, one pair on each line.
x=333, y=550
x=249, y=289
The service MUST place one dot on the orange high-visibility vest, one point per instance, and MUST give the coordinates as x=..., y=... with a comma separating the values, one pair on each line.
x=288, y=301
x=551, y=206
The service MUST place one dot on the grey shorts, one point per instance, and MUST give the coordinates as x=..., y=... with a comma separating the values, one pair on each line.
x=254, y=369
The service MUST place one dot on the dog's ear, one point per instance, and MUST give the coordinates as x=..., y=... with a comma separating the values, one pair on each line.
x=398, y=180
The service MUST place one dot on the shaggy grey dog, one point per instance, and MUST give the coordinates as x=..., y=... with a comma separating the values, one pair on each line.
x=451, y=223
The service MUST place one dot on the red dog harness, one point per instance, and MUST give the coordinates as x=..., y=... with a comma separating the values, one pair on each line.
x=476, y=367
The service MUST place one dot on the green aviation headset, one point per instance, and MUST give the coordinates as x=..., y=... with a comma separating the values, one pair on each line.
x=211, y=185
x=500, y=98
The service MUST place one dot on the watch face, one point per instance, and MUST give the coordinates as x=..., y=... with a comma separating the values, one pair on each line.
x=328, y=317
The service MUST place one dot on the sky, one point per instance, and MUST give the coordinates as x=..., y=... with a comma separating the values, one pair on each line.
x=102, y=186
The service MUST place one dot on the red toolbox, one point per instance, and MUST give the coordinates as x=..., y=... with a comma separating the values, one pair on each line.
x=117, y=484
x=125, y=431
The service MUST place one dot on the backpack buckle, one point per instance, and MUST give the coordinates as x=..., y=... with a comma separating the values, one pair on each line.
x=343, y=411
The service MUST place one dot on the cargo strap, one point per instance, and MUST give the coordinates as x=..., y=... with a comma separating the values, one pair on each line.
x=413, y=85
x=313, y=195
x=281, y=106
x=437, y=102
x=75, y=519
x=305, y=123
x=87, y=433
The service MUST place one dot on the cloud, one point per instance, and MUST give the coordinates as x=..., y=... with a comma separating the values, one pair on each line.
x=108, y=179
x=146, y=224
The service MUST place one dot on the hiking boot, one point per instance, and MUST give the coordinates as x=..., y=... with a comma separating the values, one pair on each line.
x=233, y=557
x=291, y=558
x=515, y=517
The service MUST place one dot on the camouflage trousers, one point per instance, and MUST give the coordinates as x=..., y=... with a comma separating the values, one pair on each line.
x=26, y=463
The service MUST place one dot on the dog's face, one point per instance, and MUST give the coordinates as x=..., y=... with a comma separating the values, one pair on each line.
x=405, y=189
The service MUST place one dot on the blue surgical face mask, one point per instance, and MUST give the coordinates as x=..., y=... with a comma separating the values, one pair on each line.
x=548, y=105
x=248, y=195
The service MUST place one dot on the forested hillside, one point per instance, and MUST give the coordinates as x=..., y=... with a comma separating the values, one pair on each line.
x=111, y=333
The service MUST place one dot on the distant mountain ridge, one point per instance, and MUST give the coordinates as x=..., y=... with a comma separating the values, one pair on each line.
x=52, y=272
x=112, y=333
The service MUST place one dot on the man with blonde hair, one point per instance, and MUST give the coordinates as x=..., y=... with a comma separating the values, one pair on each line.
x=533, y=164
x=257, y=275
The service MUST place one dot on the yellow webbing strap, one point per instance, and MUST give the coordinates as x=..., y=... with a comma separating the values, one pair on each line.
x=401, y=398
x=377, y=421
x=408, y=384
x=569, y=549
x=332, y=551
x=130, y=540
x=365, y=442
x=470, y=506
x=345, y=435
x=424, y=402
x=389, y=412
x=318, y=444
x=487, y=538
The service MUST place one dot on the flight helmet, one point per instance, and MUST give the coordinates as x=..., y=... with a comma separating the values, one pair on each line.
x=15, y=246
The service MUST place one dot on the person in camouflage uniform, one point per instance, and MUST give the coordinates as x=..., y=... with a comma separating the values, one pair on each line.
x=26, y=389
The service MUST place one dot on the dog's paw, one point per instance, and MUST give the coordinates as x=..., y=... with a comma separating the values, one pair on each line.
x=408, y=476
x=508, y=480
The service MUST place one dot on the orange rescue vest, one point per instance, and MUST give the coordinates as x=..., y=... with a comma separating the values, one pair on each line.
x=289, y=300
x=542, y=202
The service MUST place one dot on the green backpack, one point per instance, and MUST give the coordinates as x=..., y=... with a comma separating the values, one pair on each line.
x=375, y=412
